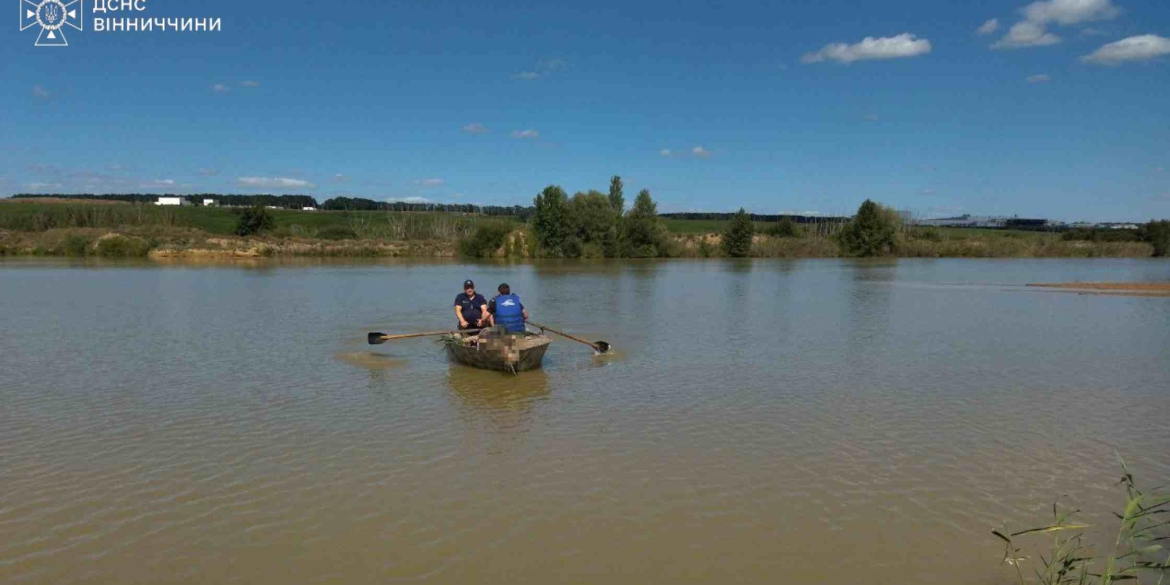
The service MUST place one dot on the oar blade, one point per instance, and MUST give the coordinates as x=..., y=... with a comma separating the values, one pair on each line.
x=376, y=338
x=601, y=346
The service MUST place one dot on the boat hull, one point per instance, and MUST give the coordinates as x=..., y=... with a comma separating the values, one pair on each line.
x=508, y=353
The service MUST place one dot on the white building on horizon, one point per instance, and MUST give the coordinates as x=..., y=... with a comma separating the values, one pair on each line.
x=171, y=200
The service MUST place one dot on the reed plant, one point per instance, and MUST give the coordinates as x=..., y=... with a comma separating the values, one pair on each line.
x=1136, y=554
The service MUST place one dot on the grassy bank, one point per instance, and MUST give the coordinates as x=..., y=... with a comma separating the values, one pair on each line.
x=86, y=229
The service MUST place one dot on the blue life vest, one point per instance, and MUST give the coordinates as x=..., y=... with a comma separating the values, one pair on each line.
x=510, y=313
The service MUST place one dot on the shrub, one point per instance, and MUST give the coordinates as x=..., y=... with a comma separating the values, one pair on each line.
x=737, y=238
x=785, y=228
x=75, y=245
x=484, y=242
x=254, y=220
x=929, y=234
x=118, y=246
x=1158, y=234
x=873, y=231
x=337, y=232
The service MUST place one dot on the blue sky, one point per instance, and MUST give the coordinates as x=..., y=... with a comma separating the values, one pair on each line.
x=1058, y=109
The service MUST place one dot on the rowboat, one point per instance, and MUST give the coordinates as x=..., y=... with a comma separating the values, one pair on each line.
x=493, y=349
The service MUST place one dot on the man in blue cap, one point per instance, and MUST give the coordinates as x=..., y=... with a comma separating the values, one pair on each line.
x=470, y=307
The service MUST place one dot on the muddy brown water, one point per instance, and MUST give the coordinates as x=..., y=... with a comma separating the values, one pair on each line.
x=821, y=421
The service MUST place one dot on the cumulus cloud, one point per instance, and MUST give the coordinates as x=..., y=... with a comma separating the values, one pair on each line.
x=274, y=183
x=430, y=182
x=249, y=84
x=1033, y=30
x=475, y=128
x=40, y=92
x=700, y=152
x=1026, y=34
x=1068, y=12
x=408, y=200
x=1139, y=48
x=988, y=27
x=220, y=88
x=1040, y=78
x=525, y=134
x=903, y=45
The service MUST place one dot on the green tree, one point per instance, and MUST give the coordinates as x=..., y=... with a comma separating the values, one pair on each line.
x=548, y=221
x=1158, y=234
x=737, y=238
x=785, y=228
x=254, y=220
x=616, y=200
x=593, y=224
x=873, y=231
x=643, y=233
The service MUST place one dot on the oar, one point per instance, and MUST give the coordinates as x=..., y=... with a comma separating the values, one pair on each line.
x=598, y=346
x=377, y=337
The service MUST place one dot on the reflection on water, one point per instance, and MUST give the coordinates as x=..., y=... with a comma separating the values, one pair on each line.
x=837, y=421
x=503, y=401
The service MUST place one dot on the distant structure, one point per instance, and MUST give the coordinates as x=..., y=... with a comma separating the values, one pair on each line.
x=171, y=200
x=986, y=221
x=209, y=203
x=308, y=209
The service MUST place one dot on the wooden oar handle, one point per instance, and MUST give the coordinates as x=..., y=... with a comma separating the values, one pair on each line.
x=561, y=333
x=427, y=334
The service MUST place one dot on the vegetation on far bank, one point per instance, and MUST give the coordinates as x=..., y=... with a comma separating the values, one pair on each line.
x=588, y=224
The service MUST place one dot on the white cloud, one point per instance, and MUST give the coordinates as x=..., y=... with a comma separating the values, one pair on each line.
x=903, y=45
x=340, y=178
x=527, y=75
x=1026, y=34
x=665, y=152
x=1068, y=12
x=988, y=27
x=208, y=172
x=249, y=84
x=552, y=64
x=525, y=134
x=700, y=152
x=430, y=182
x=274, y=183
x=158, y=184
x=40, y=92
x=220, y=88
x=408, y=200
x=1139, y=48
x=475, y=128
x=1033, y=30
x=1040, y=78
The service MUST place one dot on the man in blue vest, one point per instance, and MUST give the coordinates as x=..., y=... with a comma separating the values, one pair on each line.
x=508, y=311
x=471, y=308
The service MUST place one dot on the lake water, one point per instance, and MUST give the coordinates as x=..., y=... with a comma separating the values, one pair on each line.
x=815, y=421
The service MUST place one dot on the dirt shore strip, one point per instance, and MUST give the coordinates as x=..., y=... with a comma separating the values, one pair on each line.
x=1137, y=289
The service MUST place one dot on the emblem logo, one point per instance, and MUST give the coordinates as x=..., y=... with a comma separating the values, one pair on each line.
x=52, y=16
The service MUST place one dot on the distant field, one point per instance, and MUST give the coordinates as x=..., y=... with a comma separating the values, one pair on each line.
x=398, y=225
